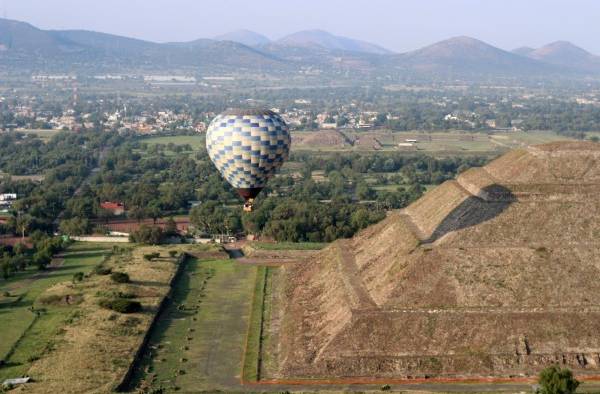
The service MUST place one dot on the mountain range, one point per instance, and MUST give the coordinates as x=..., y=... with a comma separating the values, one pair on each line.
x=563, y=53
x=25, y=47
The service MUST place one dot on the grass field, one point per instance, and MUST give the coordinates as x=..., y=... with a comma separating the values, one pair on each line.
x=252, y=352
x=194, y=141
x=26, y=333
x=288, y=245
x=199, y=341
x=42, y=134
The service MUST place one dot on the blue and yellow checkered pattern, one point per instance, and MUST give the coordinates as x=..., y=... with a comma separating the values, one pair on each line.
x=248, y=147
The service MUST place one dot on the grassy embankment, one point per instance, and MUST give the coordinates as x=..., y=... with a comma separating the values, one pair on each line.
x=27, y=333
x=90, y=348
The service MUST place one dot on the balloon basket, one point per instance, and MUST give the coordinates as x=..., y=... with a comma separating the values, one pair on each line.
x=248, y=205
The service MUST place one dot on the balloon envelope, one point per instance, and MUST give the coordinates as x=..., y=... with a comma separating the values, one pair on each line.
x=248, y=147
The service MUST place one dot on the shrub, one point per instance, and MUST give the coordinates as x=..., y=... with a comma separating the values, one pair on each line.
x=556, y=380
x=121, y=294
x=100, y=270
x=147, y=235
x=120, y=277
x=77, y=277
x=6, y=293
x=121, y=305
x=172, y=253
x=33, y=358
x=386, y=387
x=51, y=299
x=151, y=256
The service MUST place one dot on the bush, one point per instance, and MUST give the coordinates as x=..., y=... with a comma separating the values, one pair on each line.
x=100, y=270
x=51, y=299
x=147, y=235
x=77, y=277
x=386, y=387
x=151, y=256
x=121, y=305
x=120, y=277
x=172, y=253
x=555, y=380
x=121, y=294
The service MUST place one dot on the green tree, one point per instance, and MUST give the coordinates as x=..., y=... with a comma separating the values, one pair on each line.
x=75, y=226
x=5, y=268
x=363, y=191
x=556, y=380
x=22, y=224
x=171, y=227
x=209, y=217
x=147, y=235
x=77, y=277
x=154, y=211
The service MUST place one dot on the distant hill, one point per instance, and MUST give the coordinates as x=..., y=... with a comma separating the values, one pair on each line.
x=223, y=53
x=23, y=37
x=24, y=47
x=566, y=54
x=469, y=55
x=320, y=38
x=102, y=41
x=523, y=51
x=246, y=37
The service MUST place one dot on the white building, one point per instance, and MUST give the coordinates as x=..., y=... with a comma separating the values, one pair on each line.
x=8, y=197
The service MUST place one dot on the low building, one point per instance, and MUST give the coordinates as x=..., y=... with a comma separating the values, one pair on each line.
x=6, y=200
x=117, y=208
x=8, y=197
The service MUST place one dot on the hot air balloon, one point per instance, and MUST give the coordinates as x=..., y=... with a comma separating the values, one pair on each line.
x=248, y=147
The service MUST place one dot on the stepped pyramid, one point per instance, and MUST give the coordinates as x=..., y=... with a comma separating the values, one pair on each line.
x=496, y=273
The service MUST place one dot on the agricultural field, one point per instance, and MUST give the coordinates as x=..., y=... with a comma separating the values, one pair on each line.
x=428, y=142
x=435, y=143
x=27, y=324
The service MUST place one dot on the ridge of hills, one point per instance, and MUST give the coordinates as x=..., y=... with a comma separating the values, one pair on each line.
x=490, y=274
x=563, y=54
x=243, y=36
x=466, y=54
x=25, y=47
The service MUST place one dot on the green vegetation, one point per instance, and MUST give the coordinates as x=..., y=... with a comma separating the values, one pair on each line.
x=28, y=325
x=288, y=245
x=100, y=270
x=152, y=256
x=252, y=354
x=119, y=277
x=198, y=342
x=556, y=380
x=195, y=142
x=121, y=305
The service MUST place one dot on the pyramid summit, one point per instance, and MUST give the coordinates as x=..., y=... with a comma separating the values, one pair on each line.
x=491, y=274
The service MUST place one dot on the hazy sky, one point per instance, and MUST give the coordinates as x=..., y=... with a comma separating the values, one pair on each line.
x=399, y=25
